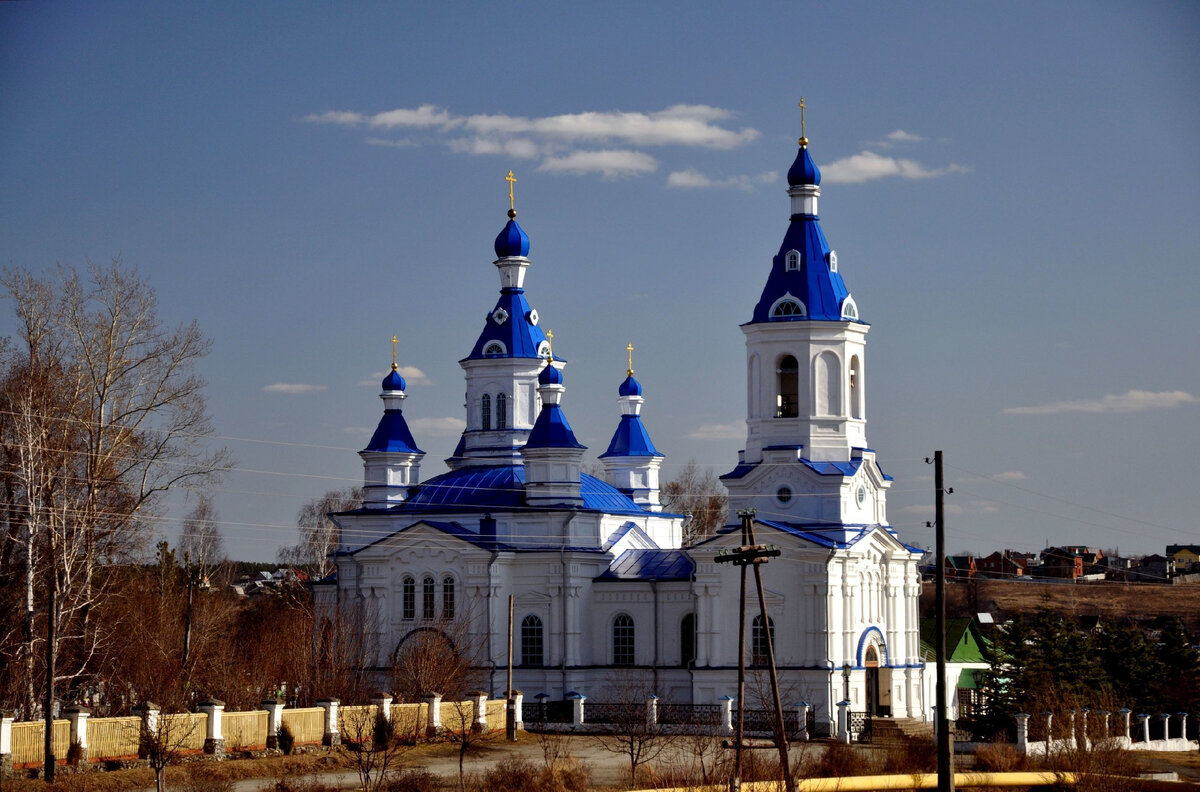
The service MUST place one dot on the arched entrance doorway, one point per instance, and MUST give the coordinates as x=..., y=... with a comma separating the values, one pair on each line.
x=879, y=692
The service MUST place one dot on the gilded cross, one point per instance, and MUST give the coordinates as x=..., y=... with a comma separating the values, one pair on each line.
x=803, y=134
x=512, y=204
x=394, y=340
x=550, y=344
x=629, y=349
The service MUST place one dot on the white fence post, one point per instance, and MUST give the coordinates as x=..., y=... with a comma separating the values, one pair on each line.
x=577, y=709
x=331, y=733
x=1183, y=729
x=214, y=741
x=1166, y=719
x=652, y=712
x=727, y=715
x=1125, y=712
x=518, y=709
x=802, y=715
x=434, y=722
x=274, y=708
x=1023, y=732
x=480, y=723
x=6, y=724
x=1087, y=742
x=844, y=721
x=384, y=702
x=1144, y=724
x=78, y=717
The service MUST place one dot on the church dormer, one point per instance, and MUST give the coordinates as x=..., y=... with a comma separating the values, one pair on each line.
x=502, y=400
x=391, y=460
x=805, y=341
x=631, y=462
x=552, y=456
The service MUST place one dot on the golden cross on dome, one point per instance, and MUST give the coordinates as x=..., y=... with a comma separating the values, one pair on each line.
x=550, y=344
x=512, y=204
x=394, y=340
x=629, y=349
x=803, y=136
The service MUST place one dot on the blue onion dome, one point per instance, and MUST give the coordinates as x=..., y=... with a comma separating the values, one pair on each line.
x=393, y=381
x=630, y=387
x=512, y=241
x=550, y=376
x=803, y=170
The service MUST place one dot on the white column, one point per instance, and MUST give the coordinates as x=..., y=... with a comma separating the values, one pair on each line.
x=1166, y=719
x=518, y=706
x=480, y=723
x=727, y=715
x=577, y=709
x=1023, y=732
x=384, y=702
x=652, y=712
x=1144, y=722
x=6, y=724
x=214, y=741
x=802, y=714
x=844, y=721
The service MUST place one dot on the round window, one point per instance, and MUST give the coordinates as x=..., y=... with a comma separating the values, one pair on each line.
x=783, y=494
x=862, y=494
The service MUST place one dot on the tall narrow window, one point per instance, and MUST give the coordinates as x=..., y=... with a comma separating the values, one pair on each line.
x=856, y=388
x=448, y=598
x=485, y=412
x=793, y=260
x=622, y=640
x=687, y=640
x=427, y=609
x=759, y=648
x=787, y=400
x=409, y=599
x=827, y=384
x=531, y=641
x=501, y=411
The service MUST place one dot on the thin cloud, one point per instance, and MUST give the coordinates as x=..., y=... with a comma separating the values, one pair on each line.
x=412, y=376
x=610, y=164
x=869, y=166
x=900, y=136
x=1010, y=475
x=520, y=148
x=692, y=179
x=729, y=431
x=292, y=387
x=1132, y=402
x=437, y=426
x=398, y=143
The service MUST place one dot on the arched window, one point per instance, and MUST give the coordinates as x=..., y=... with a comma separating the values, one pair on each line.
x=622, y=640
x=788, y=308
x=409, y=599
x=531, y=641
x=494, y=348
x=448, y=598
x=849, y=308
x=687, y=640
x=856, y=388
x=788, y=399
x=427, y=609
x=760, y=650
x=827, y=384
x=501, y=411
x=793, y=260
x=485, y=413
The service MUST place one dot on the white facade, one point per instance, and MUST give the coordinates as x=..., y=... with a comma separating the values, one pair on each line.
x=603, y=590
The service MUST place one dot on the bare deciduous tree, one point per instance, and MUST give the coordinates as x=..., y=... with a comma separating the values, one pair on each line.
x=319, y=535
x=701, y=496
x=633, y=734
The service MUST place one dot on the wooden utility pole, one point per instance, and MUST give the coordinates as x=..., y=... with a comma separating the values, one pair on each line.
x=945, y=755
x=510, y=706
x=755, y=555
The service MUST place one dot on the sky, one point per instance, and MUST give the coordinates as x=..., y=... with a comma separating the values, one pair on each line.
x=1012, y=190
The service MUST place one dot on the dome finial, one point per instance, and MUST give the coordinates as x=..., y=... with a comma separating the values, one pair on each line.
x=629, y=349
x=394, y=340
x=803, y=136
x=512, y=204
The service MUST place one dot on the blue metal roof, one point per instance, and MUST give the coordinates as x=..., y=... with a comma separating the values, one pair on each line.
x=631, y=439
x=649, y=565
x=517, y=333
x=804, y=170
x=503, y=488
x=393, y=381
x=551, y=429
x=820, y=468
x=630, y=387
x=392, y=434
x=512, y=240
x=454, y=529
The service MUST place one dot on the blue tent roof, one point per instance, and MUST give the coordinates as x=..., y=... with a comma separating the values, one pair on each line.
x=631, y=439
x=392, y=434
x=551, y=430
x=649, y=565
x=518, y=335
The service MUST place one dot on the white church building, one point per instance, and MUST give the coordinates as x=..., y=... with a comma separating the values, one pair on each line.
x=603, y=589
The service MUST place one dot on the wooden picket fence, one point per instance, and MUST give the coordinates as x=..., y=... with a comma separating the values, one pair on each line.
x=245, y=731
x=113, y=738
x=307, y=725
x=28, y=741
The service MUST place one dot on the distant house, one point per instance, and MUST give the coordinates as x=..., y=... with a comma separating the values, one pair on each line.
x=960, y=566
x=966, y=662
x=1186, y=557
x=1154, y=569
x=1061, y=562
x=1001, y=564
